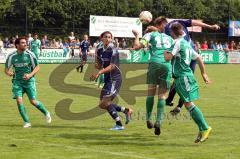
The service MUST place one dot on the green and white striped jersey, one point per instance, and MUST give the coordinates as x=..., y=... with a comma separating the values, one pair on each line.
x=159, y=42
x=23, y=63
x=183, y=54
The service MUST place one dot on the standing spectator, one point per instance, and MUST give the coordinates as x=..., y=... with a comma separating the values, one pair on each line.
x=65, y=47
x=60, y=43
x=212, y=45
x=238, y=46
x=204, y=45
x=54, y=44
x=124, y=44
x=30, y=38
x=197, y=46
x=35, y=46
x=1, y=44
x=116, y=43
x=45, y=42
x=6, y=43
x=72, y=37
x=95, y=44
x=219, y=46
x=77, y=43
x=225, y=46
x=12, y=42
x=232, y=45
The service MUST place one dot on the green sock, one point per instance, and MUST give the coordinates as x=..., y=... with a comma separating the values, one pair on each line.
x=160, y=109
x=23, y=113
x=198, y=117
x=42, y=108
x=149, y=107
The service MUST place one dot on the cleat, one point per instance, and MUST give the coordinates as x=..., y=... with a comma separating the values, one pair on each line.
x=77, y=69
x=175, y=111
x=157, y=130
x=205, y=134
x=149, y=124
x=48, y=118
x=117, y=127
x=169, y=104
x=27, y=125
x=128, y=115
x=198, y=137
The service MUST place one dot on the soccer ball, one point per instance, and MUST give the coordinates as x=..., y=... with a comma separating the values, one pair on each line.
x=145, y=17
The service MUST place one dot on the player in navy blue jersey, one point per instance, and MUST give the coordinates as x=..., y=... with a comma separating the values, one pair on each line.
x=185, y=24
x=107, y=62
x=84, y=50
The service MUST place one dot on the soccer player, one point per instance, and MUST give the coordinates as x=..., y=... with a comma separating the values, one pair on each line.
x=84, y=50
x=167, y=30
x=25, y=67
x=159, y=70
x=35, y=46
x=185, y=83
x=107, y=61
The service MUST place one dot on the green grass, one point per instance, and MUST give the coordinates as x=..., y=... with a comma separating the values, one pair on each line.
x=74, y=139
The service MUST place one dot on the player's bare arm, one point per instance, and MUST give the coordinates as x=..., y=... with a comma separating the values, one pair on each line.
x=204, y=25
x=203, y=70
x=137, y=45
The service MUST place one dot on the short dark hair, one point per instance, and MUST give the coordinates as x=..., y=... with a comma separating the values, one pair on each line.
x=106, y=32
x=160, y=20
x=17, y=41
x=177, y=29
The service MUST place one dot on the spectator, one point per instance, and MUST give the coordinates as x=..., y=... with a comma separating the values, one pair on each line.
x=204, y=45
x=116, y=43
x=45, y=42
x=65, y=47
x=54, y=44
x=95, y=44
x=219, y=46
x=29, y=38
x=77, y=44
x=1, y=43
x=212, y=45
x=232, y=45
x=238, y=46
x=60, y=44
x=124, y=44
x=6, y=43
x=197, y=46
x=72, y=37
x=225, y=45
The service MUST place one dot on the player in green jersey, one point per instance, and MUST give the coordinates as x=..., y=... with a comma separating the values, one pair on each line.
x=185, y=83
x=25, y=66
x=35, y=46
x=159, y=70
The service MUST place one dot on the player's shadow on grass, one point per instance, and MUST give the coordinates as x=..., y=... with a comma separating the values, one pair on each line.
x=120, y=139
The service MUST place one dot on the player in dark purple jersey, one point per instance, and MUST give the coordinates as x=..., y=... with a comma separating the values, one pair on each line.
x=107, y=61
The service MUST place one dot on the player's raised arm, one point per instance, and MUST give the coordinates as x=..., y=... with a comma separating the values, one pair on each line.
x=137, y=45
x=204, y=25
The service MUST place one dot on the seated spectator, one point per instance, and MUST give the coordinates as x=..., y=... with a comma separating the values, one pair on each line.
x=204, y=45
x=12, y=42
x=197, y=45
x=6, y=43
x=60, y=44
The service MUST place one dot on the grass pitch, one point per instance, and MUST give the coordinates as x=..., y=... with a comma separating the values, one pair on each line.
x=91, y=138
